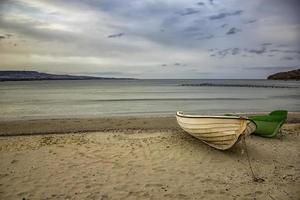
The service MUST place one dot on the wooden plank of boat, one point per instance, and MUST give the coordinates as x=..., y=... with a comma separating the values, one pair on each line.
x=220, y=132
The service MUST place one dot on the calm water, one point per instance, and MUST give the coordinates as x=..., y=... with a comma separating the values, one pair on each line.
x=55, y=99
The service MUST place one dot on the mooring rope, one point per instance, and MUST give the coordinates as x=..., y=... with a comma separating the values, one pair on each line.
x=256, y=179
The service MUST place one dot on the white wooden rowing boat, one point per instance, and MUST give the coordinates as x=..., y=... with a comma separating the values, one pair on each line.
x=220, y=132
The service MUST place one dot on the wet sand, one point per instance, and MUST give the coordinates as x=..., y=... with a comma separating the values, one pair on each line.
x=84, y=125
x=141, y=158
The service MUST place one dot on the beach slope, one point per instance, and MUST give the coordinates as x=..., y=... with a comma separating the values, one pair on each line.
x=141, y=161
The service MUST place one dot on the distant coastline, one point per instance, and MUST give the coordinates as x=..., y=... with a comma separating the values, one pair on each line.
x=289, y=75
x=39, y=76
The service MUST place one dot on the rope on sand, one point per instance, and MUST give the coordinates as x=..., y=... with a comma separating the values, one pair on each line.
x=255, y=178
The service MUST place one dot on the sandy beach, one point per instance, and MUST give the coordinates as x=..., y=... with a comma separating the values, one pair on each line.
x=141, y=158
x=91, y=91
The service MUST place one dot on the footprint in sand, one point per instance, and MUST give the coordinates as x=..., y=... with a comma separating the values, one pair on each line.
x=88, y=186
x=13, y=161
x=258, y=192
x=209, y=191
x=182, y=196
x=157, y=169
x=104, y=197
x=3, y=175
x=179, y=196
x=153, y=185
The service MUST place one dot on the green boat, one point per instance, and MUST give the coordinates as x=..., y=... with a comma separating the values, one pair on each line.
x=269, y=125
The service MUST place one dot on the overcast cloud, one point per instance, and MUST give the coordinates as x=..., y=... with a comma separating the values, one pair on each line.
x=151, y=38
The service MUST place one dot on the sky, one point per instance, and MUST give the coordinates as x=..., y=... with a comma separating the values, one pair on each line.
x=151, y=38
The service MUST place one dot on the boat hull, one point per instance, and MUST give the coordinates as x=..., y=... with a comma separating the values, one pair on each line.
x=269, y=125
x=220, y=132
x=267, y=129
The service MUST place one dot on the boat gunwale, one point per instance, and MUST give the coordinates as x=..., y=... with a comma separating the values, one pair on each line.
x=180, y=114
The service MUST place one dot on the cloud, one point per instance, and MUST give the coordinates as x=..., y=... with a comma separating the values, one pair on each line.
x=273, y=68
x=72, y=36
x=32, y=29
x=287, y=58
x=107, y=73
x=285, y=51
x=282, y=45
x=250, y=21
x=193, y=29
x=200, y=4
x=211, y=49
x=266, y=44
x=224, y=52
x=258, y=51
x=208, y=37
x=235, y=51
x=228, y=51
x=5, y=36
x=291, y=51
x=232, y=31
x=116, y=35
x=189, y=11
x=225, y=14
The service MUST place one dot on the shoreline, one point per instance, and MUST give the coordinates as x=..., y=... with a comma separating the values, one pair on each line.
x=104, y=124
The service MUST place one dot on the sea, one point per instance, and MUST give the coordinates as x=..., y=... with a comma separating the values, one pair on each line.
x=106, y=98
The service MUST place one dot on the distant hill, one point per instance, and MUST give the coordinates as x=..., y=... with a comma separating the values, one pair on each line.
x=289, y=75
x=37, y=76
